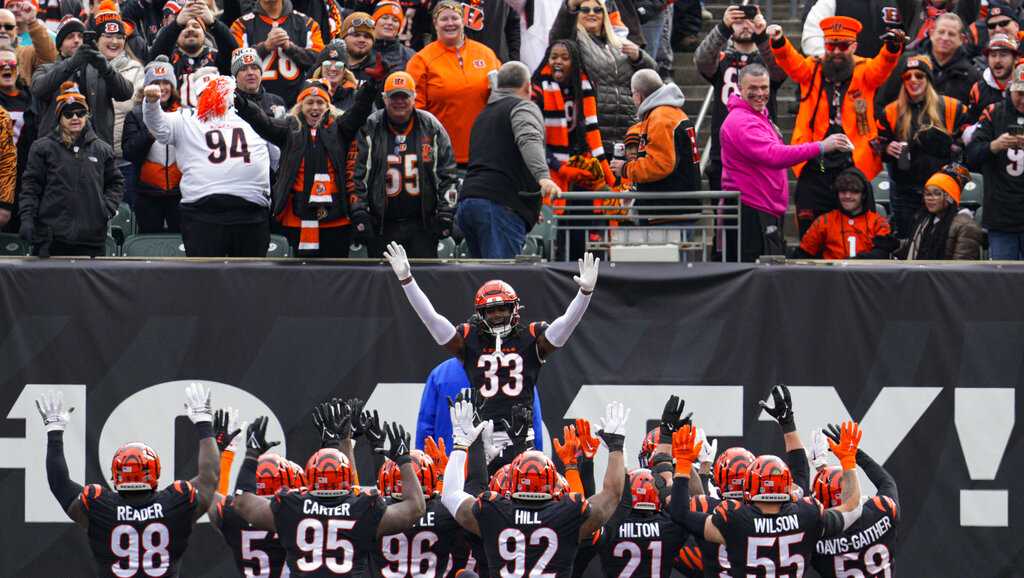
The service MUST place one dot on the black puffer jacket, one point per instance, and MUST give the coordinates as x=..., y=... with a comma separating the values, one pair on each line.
x=71, y=192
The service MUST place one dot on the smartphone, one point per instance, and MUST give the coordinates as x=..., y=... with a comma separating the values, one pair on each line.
x=1015, y=130
x=749, y=11
x=89, y=38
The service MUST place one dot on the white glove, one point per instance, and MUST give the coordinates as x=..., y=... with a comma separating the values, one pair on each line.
x=395, y=256
x=819, y=450
x=708, y=451
x=463, y=431
x=487, y=437
x=51, y=409
x=197, y=403
x=614, y=420
x=234, y=425
x=587, y=279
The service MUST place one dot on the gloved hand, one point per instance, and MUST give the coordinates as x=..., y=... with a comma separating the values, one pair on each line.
x=51, y=409
x=444, y=219
x=895, y=39
x=355, y=406
x=846, y=448
x=782, y=410
x=398, y=444
x=671, y=418
x=378, y=70
x=587, y=279
x=333, y=419
x=567, y=449
x=436, y=451
x=685, y=448
x=464, y=433
x=27, y=230
x=362, y=224
x=372, y=429
x=81, y=57
x=519, y=425
x=197, y=403
x=395, y=256
x=588, y=443
x=256, y=443
x=223, y=424
x=819, y=449
x=491, y=451
x=100, y=63
x=708, y=451
x=613, y=426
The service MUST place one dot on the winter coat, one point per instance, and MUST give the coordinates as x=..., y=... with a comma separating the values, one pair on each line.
x=71, y=193
x=394, y=54
x=156, y=169
x=610, y=72
x=929, y=150
x=755, y=160
x=132, y=71
x=812, y=120
x=667, y=160
x=954, y=79
x=41, y=51
x=829, y=234
x=962, y=244
x=434, y=157
x=1003, y=172
x=219, y=55
x=984, y=94
x=100, y=91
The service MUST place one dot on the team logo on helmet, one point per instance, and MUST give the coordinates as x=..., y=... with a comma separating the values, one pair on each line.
x=647, y=447
x=499, y=481
x=730, y=472
x=643, y=493
x=497, y=293
x=270, y=474
x=135, y=467
x=533, y=477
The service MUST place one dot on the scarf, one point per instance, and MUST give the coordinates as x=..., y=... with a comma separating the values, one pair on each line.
x=931, y=235
x=314, y=203
x=556, y=124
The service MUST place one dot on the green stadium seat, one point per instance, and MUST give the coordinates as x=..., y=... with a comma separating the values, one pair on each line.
x=880, y=209
x=462, y=251
x=446, y=248
x=124, y=220
x=12, y=245
x=356, y=251
x=279, y=247
x=156, y=245
x=532, y=246
x=977, y=216
x=111, y=248
x=881, y=186
x=973, y=192
x=545, y=230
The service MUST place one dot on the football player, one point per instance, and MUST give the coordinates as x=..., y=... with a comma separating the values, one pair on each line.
x=770, y=533
x=257, y=552
x=134, y=529
x=333, y=527
x=867, y=548
x=530, y=532
x=425, y=549
x=502, y=356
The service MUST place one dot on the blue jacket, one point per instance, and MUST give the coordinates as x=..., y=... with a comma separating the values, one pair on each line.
x=447, y=380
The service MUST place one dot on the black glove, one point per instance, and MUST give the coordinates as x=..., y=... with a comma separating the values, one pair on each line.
x=362, y=224
x=518, y=428
x=220, y=430
x=612, y=440
x=444, y=220
x=27, y=230
x=895, y=39
x=333, y=419
x=241, y=103
x=473, y=396
x=355, y=405
x=100, y=63
x=398, y=444
x=256, y=443
x=81, y=57
x=783, y=408
x=671, y=418
x=370, y=424
x=376, y=70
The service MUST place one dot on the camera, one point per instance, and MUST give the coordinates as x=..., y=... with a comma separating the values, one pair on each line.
x=89, y=38
x=749, y=11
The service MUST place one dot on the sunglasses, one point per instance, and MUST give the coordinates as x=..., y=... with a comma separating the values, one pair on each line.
x=999, y=24
x=589, y=10
x=335, y=64
x=8, y=27
x=840, y=46
x=74, y=113
x=914, y=76
x=357, y=22
x=8, y=63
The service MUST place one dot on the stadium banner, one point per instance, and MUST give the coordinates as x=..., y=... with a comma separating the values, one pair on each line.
x=928, y=359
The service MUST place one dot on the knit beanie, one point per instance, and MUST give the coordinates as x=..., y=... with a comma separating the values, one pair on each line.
x=389, y=8
x=70, y=96
x=160, y=69
x=68, y=25
x=357, y=22
x=107, y=19
x=243, y=57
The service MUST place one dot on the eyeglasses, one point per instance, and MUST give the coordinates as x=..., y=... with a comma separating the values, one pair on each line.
x=74, y=113
x=588, y=10
x=8, y=27
x=998, y=24
x=934, y=194
x=335, y=64
x=840, y=46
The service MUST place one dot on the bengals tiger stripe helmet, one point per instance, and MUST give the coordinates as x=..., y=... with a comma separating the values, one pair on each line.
x=647, y=447
x=533, y=477
x=136, y=467
x=730, y=472
x=389, y=481
x=768, y=480
x=827, y=486
x=643, y=493
x=499, y=481
x=328, y=473
x=271, y=470
x=493, y=294
x=386, y=477
x=295, y=476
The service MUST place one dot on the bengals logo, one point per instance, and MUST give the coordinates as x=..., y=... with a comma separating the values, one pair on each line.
x=891, y=15
x=111, y=28
x=425, y=152
x=473, y=17
x=479, y=63
x=160, y=70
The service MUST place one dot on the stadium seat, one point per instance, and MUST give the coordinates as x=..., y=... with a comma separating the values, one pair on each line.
x=881, y=187
x=11, y=244
x=462, y=251
x=446, y=248
x=973, y=192
x=532, y=246
x=158, y=245
x=111, y=249
x=880, y=209
x=279, y=247
x=124, y=221
x=356, y=251
x=545, y=230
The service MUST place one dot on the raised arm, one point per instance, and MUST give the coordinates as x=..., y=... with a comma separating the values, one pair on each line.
x=198, y=409
x=67, y=491
x=160, y=124
x=882, y=479
x=686, y=449
x=225, y=433
x=252, y=508
x=850, y=508
x=604, y=502
x=557, y=334
x=440, y=328
x=402, y=515
x=454, y=496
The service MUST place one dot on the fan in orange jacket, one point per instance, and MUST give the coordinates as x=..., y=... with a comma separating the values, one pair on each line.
x=857, y=114
x=854, y=230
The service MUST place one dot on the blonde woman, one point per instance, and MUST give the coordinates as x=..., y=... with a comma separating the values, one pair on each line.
x=610, y=60
x=919, y=133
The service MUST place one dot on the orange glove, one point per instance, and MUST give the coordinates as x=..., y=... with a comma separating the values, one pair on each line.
x=685, y=449
x=567, y=450
x=588, y=443
x=436, y=451
x=846, y=450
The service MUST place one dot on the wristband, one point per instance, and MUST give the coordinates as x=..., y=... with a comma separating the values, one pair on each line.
x=402, y=459
x=247, y=476
x=204, y=429
x=789, y=426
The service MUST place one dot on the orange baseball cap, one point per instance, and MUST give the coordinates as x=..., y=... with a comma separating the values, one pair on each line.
x=400, y=81
x=840, y=28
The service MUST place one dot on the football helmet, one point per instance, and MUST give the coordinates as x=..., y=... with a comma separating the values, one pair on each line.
x=136, y=467
x=389, y=481
x=499, y=481
x=497, y=293
x=827, y=486
x=643, y=493
x=647, y=447
x=533, y=477
x=730, y=472
x=295, y=476
x=270, y=474
x=768, y=480
x=328, y=473
x=562, y=487
x=388, y=476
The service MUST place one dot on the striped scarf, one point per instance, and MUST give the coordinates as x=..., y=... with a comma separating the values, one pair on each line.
x=556, y=124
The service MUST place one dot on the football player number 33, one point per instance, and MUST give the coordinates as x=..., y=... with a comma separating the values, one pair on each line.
x=492, y=363
x=146, y=550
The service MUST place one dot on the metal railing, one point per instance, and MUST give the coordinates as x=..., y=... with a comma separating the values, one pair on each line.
x=769, y=8
x=688, y=220
x=704, y=109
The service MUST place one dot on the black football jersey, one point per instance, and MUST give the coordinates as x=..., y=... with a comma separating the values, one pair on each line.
x=714, y=557
x=760, y=545
x=423, y=551
x=867, y=548
x=523, y=539
x=328, y=536
x=726, y=82
x=258, y=553
x=506, y=377
x=639, y=544
x=689, y=561
x=144, y=538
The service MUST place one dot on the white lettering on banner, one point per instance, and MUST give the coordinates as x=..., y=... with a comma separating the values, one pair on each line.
x=984, y=418
x=29, y=453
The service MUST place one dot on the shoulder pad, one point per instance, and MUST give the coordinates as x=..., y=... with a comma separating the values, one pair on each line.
x=89, y=493
x=465, y=328
x=727, y=507
x=248, y=17
x=185, y=488
x=538, y=327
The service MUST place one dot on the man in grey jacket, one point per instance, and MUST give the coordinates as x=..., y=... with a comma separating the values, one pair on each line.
x=508, y=175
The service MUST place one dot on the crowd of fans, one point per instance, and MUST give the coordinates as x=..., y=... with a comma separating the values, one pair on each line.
x=398, y=121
